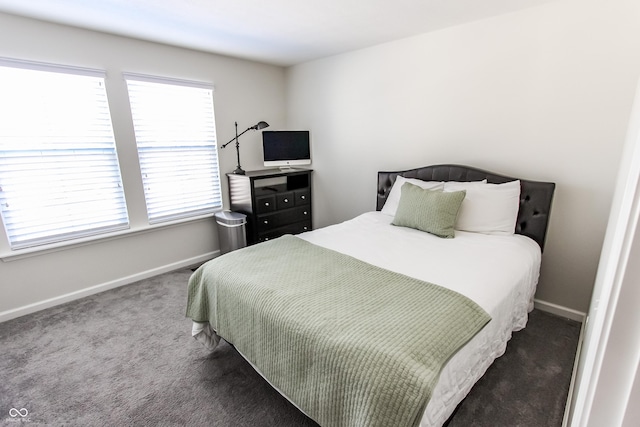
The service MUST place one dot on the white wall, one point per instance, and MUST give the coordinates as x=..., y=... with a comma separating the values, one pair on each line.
x=244, y=91
x=543, y=94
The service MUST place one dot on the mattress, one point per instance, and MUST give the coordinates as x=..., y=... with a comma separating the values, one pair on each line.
x=497, y=272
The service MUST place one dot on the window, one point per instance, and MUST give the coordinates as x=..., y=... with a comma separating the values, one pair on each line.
x=175, y=133
x=59, y=173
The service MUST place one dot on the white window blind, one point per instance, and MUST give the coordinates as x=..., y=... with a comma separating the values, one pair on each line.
x=59, y=173
x=175, y=133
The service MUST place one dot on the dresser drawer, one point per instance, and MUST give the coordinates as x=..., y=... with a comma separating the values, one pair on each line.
x=302, y=197
x=285, y=200
x=295, y=228
x=301, y=227
x=265, y=204
x=281, y=218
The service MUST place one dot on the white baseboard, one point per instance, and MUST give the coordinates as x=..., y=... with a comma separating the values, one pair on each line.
x=568, y=408
x=52, y=302
x=559, y=310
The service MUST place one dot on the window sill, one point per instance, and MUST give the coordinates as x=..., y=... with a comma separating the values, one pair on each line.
x=76, y=243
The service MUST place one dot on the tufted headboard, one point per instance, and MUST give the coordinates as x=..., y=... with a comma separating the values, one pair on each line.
x=535, y=197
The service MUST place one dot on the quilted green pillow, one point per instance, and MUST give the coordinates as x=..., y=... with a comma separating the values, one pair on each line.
x=432, y=211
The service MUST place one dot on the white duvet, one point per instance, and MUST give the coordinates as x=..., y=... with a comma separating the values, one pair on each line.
x=499, y=273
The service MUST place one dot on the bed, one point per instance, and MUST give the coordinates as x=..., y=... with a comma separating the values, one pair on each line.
x=391, y=317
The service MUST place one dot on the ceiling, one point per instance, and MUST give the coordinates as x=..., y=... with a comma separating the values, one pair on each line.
x=280, y=32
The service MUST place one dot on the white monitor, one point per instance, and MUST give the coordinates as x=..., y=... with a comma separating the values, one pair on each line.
x=286, y=148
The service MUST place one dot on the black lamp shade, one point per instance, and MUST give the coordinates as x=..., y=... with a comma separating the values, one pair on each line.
x=261, y=125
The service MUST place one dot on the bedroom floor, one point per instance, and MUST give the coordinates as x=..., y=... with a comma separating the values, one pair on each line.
x=528, y=385
x=126, y=357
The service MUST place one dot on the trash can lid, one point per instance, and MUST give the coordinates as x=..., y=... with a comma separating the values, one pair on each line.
x=229, y=218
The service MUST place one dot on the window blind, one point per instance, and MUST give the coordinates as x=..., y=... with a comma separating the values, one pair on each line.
x=59, y=173
x=176, y=139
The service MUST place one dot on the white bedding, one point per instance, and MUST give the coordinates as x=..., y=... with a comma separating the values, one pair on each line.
x=499, y=273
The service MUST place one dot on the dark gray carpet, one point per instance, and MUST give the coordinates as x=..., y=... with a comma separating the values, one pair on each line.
x=528, y=385
x=126, y=357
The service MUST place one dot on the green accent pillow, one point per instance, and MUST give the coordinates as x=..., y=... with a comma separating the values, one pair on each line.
x=432, y=211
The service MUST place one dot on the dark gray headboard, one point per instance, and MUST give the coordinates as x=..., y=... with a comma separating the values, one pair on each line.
x=535, y=197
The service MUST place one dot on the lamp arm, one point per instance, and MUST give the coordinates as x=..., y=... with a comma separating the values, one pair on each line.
x=236, y=137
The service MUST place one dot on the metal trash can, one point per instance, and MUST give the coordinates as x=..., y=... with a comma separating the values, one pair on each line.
x=231, y=230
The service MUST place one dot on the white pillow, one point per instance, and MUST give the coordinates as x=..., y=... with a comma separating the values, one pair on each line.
x=487, y=208
x=391, y=205
x=459, y=186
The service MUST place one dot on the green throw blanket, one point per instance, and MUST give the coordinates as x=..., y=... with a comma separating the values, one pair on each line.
x=350, y=343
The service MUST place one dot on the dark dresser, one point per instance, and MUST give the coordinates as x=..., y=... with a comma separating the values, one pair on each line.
x=275, y=201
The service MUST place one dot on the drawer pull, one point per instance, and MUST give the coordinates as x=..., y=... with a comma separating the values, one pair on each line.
x=305, y=212
x=266, y=221
x=303, y=197
x=305, y=228
x=266, y=203
x=286, y=200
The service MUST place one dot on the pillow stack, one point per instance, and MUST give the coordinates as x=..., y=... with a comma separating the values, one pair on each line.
x=440, y=208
